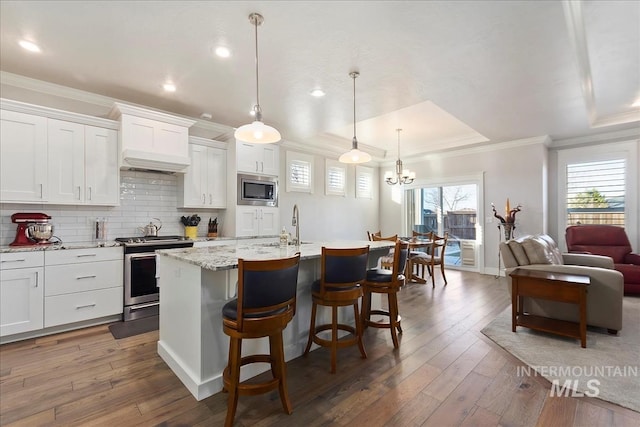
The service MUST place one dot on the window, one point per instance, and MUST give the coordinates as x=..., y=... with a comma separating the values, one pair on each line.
x=596, y=192
x=364, y=182
x=336, y=178
x=299, y=172
x=599, y=185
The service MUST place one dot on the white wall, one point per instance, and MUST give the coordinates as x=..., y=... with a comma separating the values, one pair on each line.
x=517, y=171
x=143, y=196
x=325, y=217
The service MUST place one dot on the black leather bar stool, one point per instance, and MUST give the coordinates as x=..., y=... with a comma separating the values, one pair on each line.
x=388, y=282
x=266, y=303
x=343, y=271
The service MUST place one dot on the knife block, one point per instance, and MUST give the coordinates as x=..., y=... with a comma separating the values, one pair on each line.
x=191, y=232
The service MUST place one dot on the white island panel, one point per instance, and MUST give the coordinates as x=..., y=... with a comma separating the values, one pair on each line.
x=194, y=285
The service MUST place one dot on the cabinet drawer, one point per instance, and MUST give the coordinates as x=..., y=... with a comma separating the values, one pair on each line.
x=84, y=255
x=69, y=278
x=69, y=308
x=11, y=260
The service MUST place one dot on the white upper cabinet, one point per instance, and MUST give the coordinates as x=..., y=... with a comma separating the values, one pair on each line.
x=48, y=160
x=258, y=158
x=23, y=157
x=83, y=164
x=205, y=181
x=101, y=165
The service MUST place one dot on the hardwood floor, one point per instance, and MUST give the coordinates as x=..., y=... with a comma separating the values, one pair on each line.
x=446, y=373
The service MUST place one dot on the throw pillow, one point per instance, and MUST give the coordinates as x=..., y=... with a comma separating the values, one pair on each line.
x=518, y=252
x=537, y=251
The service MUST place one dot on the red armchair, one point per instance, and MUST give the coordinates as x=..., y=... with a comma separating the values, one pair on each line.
x=608, y=240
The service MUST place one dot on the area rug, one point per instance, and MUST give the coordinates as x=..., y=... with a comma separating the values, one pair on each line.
x=134, y=327
x=607, y=369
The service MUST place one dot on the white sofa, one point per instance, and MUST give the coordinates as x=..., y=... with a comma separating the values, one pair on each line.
x=604, y=295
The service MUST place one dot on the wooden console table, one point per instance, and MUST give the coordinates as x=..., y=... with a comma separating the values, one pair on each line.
x=569, y=288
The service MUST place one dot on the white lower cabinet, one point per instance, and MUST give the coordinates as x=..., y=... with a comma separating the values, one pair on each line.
x=82, y=284
x=79, y=306
x=21, y=292
x=257, y=221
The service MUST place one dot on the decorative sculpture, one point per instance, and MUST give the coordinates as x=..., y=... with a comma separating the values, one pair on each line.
x=508, y=221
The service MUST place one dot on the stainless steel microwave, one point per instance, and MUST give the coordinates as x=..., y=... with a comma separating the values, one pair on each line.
x=257, y=190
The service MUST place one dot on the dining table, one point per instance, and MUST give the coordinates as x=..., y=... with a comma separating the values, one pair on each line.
x=415, y=244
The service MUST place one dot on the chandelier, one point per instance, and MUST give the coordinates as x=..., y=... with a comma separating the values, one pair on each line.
x=402, y=176
x=257, y=132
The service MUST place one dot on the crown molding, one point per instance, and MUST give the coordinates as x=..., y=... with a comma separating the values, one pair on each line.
x=52, y=113
x=621, y=135
x=536, y=140
x=617, y=119
x=27, y=83
x=41, y=86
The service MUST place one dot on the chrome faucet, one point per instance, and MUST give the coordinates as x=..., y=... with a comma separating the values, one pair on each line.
x=295, y=221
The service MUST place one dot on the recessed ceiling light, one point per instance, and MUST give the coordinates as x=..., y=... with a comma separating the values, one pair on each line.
x=636, y=104
x=223, y=52
x=30, y=46
x=318, y=93
x=169, y=87
x=206, y=116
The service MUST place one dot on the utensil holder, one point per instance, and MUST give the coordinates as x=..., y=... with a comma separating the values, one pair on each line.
x=191, y=232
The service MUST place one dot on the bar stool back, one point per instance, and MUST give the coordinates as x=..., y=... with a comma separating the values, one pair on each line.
x=386, y=282
x=343, y=271
x=266, y=303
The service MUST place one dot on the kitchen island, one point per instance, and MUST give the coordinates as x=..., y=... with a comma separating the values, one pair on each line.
x=196, y=282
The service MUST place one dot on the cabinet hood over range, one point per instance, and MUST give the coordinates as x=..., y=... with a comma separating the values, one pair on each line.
x=152, y=140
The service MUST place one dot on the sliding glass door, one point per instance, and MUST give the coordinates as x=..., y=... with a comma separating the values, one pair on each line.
x=447, y=208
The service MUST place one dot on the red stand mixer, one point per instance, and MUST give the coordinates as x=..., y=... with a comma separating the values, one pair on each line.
x=33, y=229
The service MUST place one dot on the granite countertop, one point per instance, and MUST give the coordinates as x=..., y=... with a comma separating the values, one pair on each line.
x=225, y=257
x=59, y=246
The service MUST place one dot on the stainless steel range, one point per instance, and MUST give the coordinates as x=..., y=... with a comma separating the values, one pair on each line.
x=141, y=292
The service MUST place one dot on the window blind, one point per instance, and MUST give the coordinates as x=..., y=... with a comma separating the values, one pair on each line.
x=300, y=173
x=596, y=192
x=364, y=183
x=335, y=180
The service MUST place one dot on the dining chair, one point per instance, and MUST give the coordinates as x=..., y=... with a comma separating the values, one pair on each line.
x=433, y=257
x=266, y=303
x=385, y=261
x=342, y=274
x=386, y=282
x=371, y=234
x=418, y=236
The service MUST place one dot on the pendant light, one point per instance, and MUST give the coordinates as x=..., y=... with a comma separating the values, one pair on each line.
x=354, y=155
x=257, y=132
x=402, y=176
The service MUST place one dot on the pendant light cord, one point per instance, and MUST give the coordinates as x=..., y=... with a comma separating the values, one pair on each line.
x=398, y=130
x=354, y=143
x=257, y=69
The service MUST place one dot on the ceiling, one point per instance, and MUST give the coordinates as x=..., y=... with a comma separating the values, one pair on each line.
x=450, y=74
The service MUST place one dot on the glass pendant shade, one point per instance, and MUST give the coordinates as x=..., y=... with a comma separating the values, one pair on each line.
x=354, y=156
x=257, y=132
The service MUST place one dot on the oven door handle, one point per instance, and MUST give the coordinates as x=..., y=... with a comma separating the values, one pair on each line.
x=142, y=255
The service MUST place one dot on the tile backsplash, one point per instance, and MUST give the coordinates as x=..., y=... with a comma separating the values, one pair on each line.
x=143, y=196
